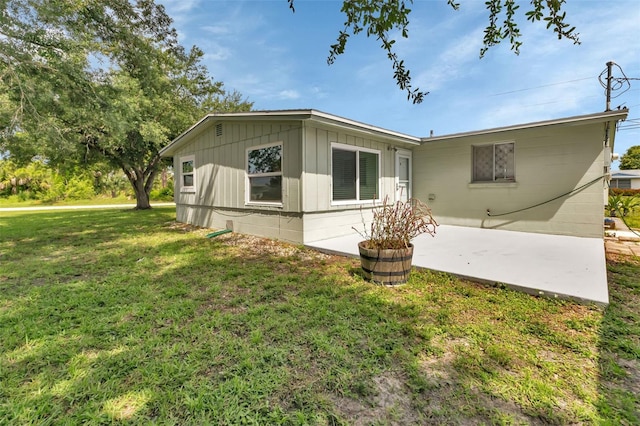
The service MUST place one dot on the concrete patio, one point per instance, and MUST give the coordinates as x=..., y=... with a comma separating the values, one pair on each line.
x=550, y=265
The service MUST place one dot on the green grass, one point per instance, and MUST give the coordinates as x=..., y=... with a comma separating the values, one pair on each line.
x=633, y=219
x=14, y=201
x=124, y=316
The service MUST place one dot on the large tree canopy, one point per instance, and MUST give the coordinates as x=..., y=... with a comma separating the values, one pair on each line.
x=631, y=159
x=384, y=18
x=88, y=80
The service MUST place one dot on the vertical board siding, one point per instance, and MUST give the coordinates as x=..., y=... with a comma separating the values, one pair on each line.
x=318, y=142
x=220, y=164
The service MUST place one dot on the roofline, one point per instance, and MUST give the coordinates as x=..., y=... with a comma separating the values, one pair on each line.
x=635, y=173
x=620, y=114
x=294, y=114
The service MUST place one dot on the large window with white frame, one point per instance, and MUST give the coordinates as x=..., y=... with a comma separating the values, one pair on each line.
x=355, y=173
x=494, y=162
x=187, y=173
x=264, y=174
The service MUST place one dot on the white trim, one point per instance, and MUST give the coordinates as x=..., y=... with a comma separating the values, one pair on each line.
x=181, y=161
x=248, y=176
x=406, y=154
x=356, y=149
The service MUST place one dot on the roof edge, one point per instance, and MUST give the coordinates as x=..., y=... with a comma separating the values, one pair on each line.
x=620, y=114
x=293, y=114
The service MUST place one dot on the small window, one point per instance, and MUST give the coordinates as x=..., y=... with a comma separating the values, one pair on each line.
x=187, y=174
x=494, y=163
x=622, y=183
x=355, y=173
x=264, y=174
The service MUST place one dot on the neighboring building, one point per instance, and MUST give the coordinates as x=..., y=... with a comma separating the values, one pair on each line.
x=625, y=179
x=304, y=175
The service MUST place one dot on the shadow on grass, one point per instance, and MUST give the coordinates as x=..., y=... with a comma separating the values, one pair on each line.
x=620, y=343
x=122, y=315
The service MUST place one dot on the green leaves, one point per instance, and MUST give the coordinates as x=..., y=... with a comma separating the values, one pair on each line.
x=631, y=159
x=95, y=81
x=381, y=18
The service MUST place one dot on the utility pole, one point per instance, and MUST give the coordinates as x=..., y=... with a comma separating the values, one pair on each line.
x=610, y=65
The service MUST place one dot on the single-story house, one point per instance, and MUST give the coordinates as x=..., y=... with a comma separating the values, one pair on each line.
x=305, y=175
x=625, y=179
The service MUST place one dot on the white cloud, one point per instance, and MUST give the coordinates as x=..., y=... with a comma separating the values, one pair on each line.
x=180, y=6
x=216, y=29
x=289, y=94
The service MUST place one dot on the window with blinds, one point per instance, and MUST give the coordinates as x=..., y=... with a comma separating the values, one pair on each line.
x=355, y=173
x=494, y=163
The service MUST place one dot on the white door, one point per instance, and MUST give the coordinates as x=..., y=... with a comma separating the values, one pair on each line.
x=403, y=175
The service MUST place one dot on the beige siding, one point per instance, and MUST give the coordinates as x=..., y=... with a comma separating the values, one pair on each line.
x=277, y=225
x=221, y=161
x=321, y=226
x=317, y=167
x=322, y=219
x=549, y=161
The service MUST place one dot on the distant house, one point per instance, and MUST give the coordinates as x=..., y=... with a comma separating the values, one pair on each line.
x=625, y=179
x=305, y=175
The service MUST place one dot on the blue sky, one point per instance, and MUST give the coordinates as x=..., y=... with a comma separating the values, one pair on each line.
x=277, y=59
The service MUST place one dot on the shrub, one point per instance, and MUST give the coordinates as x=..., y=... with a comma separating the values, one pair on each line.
x=620, y=191
x=621, y=205
x=162, y=194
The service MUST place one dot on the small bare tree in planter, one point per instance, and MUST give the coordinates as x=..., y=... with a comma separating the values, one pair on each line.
x=387, y=251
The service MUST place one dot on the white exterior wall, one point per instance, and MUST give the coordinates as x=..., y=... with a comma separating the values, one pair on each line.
x=549, y=161
x=633, y=181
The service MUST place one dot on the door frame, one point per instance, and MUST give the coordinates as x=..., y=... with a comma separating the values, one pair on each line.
x=403, y=153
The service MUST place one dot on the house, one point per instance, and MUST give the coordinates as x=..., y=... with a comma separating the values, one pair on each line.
x=305, y=175
x=625, y=179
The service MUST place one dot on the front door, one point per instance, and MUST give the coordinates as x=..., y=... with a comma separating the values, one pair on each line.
x=403, y=175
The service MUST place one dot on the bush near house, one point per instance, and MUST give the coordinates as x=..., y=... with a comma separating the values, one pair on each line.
x=626, y=192
x=622, y=205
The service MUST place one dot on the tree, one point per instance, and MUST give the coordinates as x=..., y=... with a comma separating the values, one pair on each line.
x=631, y=159
x=382, y=18
x=88, y=80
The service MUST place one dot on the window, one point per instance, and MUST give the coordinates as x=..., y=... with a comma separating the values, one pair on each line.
x=264, y=174
x=622, y=183
x=187, y=174
x=355, y=173
x=494, y=163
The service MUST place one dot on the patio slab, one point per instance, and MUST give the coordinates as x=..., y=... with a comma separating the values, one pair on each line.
x=550, y=265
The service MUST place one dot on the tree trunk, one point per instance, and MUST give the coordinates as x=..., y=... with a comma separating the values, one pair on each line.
x=140, y=190
x=142, y=198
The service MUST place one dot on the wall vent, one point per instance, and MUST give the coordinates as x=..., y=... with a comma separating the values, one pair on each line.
x=219, y=129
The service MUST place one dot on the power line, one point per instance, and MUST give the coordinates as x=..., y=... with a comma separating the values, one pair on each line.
x=612, y=84
x=539, y=87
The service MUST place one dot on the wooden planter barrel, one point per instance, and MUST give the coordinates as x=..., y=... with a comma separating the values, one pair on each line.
x=386, y=266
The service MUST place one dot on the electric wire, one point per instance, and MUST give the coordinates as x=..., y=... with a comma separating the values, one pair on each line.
x=578, y=189
x=621, y=215
x=617, y=83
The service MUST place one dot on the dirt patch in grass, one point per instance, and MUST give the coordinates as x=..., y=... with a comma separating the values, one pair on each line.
x=389, y=404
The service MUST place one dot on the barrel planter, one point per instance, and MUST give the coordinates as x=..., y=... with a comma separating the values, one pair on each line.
x=386, y=266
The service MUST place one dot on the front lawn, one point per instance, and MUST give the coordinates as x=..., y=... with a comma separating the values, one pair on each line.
x=122, y=315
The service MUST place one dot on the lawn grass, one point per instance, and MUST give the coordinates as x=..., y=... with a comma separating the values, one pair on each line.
x=633, y=219
x=15, y=201
x=122, y=315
